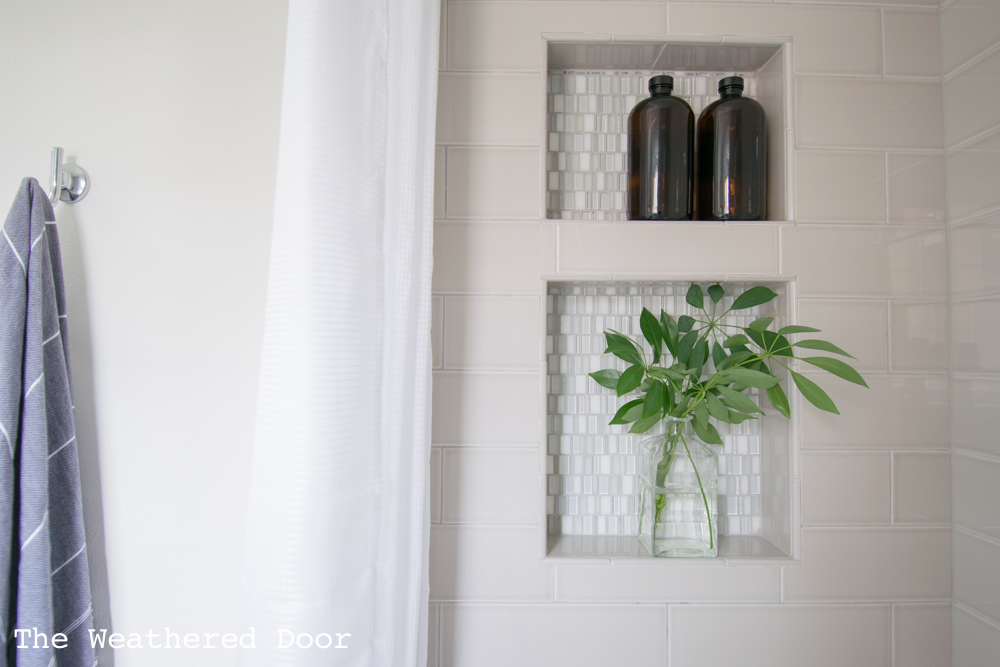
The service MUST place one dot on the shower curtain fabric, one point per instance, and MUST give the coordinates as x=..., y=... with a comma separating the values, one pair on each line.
x=338, y=519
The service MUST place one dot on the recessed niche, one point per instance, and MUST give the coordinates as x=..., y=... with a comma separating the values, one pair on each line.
x=592, y=86
x=591, y=481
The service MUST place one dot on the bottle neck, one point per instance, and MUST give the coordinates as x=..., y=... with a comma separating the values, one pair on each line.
x=658, y=92
x=731, y=92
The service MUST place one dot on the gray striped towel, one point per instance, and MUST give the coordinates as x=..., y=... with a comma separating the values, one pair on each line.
x=44, y=582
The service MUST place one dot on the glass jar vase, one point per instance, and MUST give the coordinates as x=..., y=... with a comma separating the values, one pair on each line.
x=678, y=480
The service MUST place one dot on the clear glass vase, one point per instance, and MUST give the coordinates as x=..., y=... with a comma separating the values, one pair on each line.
x=678, y=479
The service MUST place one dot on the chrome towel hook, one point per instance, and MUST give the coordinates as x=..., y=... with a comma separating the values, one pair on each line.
x=68, y=182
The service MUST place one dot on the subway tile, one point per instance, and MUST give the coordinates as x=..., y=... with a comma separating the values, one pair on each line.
x=494, y=332
x=977, y=575
x=968, y=27
x=972, y=100
x=976, y=414
x=437, y=331
x=490, y=485
x=858, y=327
x=486, y=108
x=865, y=260
x=433, y=634
x=919, y=340
x=507, y=35
x=489, y=257
x=898, y=411
x=975, y=641
x=975, y=325
x=844, y=488
x=868, y=113
x=435, y=479
x=971, y=187
x=921, y=635
x=493, y=183
x=857, y=564
x=916, y=188
x=579, y=635
x=976, y=493
x=678, y=249
x=486, y=408
x=488, y=563
x=828, y=40
x=921, y=487
x=823, y=180
x=912, y=43
x=647, y=583
x=440, y=171
x=975, y=257
x=780, y=635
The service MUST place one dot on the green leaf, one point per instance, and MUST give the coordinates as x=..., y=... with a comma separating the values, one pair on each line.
x=753, y=297
x=734, y=359
x=749, y=377
x=716, y=292
x=684, y=323
x=761, y=323
x=628, y=412
x=668, y=327
x=838, y=368
x=695, y=296
x=708, y=433
x=733, y=341
x=630, y=380
x=644, y=425
x=607, y=378
x=651, y=330
x=814, y=394
x=815, y=344
x=700, y=413
x=654, y=400
x=686, y=345
x=623, y=348
x=718, y=354
x=772, y=342
x=794, y=329
x=716, y=408
x=778, y=399
x=738, y=417
x=698, y=358
x=738, y=401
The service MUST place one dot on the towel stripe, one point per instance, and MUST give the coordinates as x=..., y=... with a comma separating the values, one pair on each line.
x=69, y=560
x=16, y=255
x=45, y=519
x=63, y=445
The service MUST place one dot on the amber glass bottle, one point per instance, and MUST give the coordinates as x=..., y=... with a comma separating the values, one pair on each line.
x=660, y=155
x=731, y=157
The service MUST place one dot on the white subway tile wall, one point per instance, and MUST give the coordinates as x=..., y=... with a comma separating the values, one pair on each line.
x=970, y=44
x=870, y=265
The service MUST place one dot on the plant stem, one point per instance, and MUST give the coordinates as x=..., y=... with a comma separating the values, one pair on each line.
x=704, y=498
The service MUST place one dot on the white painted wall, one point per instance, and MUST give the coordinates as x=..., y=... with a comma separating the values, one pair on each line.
x=173, y=109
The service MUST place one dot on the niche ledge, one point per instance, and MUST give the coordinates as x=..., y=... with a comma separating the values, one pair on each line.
x=592, y=82
x=590, y=485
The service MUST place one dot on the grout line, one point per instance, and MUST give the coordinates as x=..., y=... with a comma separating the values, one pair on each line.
x=974, y=139
x=892, y=635
x=881, y=18
x=975, y=614
x=888, y=217
x=892, y=488
x=965, y=530
x=971, y=62
x=979, y=216
x=888, y=336
x=984, y=457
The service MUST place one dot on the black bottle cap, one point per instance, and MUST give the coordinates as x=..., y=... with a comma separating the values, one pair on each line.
x=734, y=84
x=662, y=83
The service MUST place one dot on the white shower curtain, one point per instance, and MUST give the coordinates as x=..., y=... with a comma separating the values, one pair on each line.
x=337, y=528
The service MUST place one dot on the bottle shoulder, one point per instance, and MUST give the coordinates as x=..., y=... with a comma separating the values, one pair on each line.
x=733, y=105
x=658, y=103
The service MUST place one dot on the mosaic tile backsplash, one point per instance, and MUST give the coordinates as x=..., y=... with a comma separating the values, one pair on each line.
x=588, y=134
x=592, y=480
